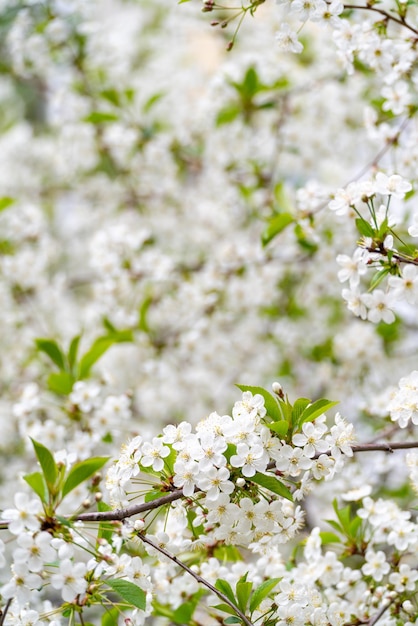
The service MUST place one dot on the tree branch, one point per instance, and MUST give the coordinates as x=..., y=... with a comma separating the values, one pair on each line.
x=119, y=515
x=385, y=14
x=373, y=620
x=135, y=509
x=4, y=612
x=199, y=579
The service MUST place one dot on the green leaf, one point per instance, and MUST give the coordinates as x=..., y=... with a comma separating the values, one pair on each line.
x=276, y=226
x=280, y=428
x=227, y=553
x=335, y=525
x=51, y=348
x=364, y=228
x=5, y=202
x=152, y=101
x=270, y=402
x=383, y=229
x=184, y=613
x=327, y=537
x=162, y=610
x=37, y=483
x=73, y=350
x=99, y=117
x=298, y=408
x=143, y=314
x=110, y=617
x=129, y=592
x=225, y=608
x=224, y=587
x=355, y=527
x=316, y=409
x=272, y=484
x=47, y=463
x=82, y=471
x=112, y=96
x=378, y=277
x=243, y=590
x=61, y=383
x=232, y=620
x=227, y=115
x=250, y=85
x=343, y=516
x=262, y=592
x=99, y=347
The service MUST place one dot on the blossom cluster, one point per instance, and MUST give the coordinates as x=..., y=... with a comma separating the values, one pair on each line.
x=375, y=246
x=222, y=460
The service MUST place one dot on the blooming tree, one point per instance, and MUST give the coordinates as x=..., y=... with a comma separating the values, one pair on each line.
x=209, y=287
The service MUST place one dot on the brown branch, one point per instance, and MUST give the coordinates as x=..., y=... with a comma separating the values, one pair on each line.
x=388, y=16
x=373, y=620
x=386, y=447
x=135, y=509
x=4, y=612
x=199, y=579
x=402, y=258
x=119, y=515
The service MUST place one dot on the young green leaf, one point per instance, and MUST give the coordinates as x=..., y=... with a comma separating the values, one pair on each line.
x=272, y=484
x=183, y=613
x=72, y=351
x=51, y=348
x=276, y=225
x=262, y=592
x=5, y=202
x=243, y=590
x=316, y=409
x=224, y=587
x=227, y=115
x=110, y=617
x=233, y=620
x=61, y=383
x=100, y=117
x=47, y=463
x=378, y=277
x=225, y=608
x=82, y=471
x=327, y=537
x=98, y=348
x=129, y=592
x=364, y=228
x=37, y=483
x=298, y=408
x=112, y=96
x=280, y=428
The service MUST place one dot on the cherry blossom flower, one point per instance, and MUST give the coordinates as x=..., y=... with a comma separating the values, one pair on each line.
x=288, y=40
x=70, y=580
x=154, y=454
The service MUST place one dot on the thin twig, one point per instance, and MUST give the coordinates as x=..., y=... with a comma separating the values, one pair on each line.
x=385, y=14
x=4, y=612
x=373, y=620
x=199, y=579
